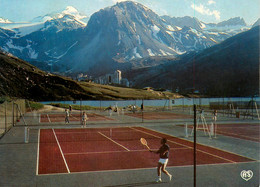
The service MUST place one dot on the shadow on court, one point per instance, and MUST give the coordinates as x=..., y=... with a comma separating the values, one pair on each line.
x=136, y=184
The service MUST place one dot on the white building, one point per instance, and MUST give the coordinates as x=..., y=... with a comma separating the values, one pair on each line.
x=115, y=78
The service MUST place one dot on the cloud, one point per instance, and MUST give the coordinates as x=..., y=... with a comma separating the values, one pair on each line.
x=118, y=1
x=210, y=2
x=205, y=11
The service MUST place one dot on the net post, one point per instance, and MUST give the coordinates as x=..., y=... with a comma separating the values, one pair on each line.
x=212, y=129
x=186, y=130
x=5, y=116
x=257, y=111
x=215, y=129
x=13, y=113
x=26, y=134
x=142, y=110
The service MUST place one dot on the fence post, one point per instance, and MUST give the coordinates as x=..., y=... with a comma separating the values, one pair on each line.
x=13, y=113
x=194, y=145
x=5, y=117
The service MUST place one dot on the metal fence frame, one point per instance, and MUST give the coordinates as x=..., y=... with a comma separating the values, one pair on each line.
x=10, y=113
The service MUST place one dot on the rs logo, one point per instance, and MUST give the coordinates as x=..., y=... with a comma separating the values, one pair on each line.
x=246, y=175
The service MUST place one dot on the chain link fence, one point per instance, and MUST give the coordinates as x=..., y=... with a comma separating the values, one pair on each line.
x=11, y=112
x=135, y=111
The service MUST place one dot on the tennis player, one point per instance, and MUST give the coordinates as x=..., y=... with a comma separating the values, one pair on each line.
x=67, y=116
x=164, y=156
x=84, y=119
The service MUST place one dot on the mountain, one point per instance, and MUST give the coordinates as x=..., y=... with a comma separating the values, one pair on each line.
x=69, y=11
x=237, y=21
x=128, y=31
x=114, y=37
x=70, y=18
x=231, y=26
x=230, y=68
x=185, y=21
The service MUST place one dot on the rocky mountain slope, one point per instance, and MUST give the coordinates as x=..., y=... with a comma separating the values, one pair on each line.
x=230, y=68
x=71, y=42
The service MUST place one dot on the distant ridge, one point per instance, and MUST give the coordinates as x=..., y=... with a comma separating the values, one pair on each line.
x=230, y=68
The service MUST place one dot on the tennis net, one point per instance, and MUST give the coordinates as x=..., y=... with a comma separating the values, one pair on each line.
x=86, y=135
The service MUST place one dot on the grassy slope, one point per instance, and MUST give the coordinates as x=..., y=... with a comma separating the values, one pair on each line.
x=111, y=92
x=20, y=79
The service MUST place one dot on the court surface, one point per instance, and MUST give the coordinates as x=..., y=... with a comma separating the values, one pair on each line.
x=245, y=131
x=108, y=149
x=159, y=115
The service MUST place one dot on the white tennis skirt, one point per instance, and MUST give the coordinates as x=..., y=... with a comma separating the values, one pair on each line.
x=163, y=160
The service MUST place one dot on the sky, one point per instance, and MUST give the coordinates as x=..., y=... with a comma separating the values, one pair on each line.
x=208, y=11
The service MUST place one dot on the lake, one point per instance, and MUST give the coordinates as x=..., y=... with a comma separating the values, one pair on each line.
x=175, y=102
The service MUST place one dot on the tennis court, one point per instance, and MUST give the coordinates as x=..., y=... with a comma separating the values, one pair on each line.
x=100, y=149
x=159, y=115
x=246, y=131
x=54, y=117
x=41, y=150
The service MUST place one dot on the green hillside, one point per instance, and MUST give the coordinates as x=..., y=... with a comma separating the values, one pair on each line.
x=20, y=79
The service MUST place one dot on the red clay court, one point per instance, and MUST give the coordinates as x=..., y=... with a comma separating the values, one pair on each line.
x=159, y=115
x=245, y=131
x=99, y=149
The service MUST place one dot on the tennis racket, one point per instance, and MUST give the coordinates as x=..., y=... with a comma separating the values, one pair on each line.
x=144, y=142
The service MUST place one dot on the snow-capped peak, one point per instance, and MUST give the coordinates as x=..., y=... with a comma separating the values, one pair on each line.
x=70, y=10
x=2, y=20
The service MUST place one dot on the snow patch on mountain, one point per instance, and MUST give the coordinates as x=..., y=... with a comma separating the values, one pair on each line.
x=135, y=54
x=163, y=52
x=150, y=52
x=179, y=28
x=10, y=45
x=170, y=28
x=32, y=54
x=138, y=39
x=23, y=31
x=155, y=30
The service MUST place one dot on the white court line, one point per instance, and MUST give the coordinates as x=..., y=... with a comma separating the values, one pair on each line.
x=114, y=141
x=38, y=151
x=61, y=152
x=186, y=146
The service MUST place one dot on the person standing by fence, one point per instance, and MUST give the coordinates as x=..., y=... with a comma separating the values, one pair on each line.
x=70, y=109
x=215, y=113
